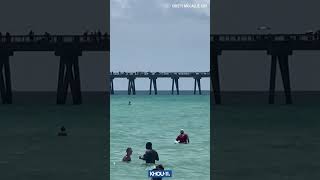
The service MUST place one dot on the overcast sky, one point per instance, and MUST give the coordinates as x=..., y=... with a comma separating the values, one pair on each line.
x=251, y=70
x=148, y=35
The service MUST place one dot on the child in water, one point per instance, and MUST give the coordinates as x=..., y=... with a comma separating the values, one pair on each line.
x=158, y=167
x=127, y=157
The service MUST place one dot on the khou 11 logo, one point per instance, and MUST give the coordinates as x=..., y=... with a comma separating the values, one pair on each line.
x=160, y=173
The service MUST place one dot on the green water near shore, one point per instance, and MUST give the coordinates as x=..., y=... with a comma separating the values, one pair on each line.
x=158, y=119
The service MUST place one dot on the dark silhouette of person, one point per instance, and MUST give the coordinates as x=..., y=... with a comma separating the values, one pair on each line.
x=129, y=103
x=99, y=34
x=127, y=157
x=8, y=37
x=183, y=138
x=158, y=167
x=47, y=36
x=95, y=36
x=31, y=35
x=85, y=35
x=106, y=35
x=0, y=37
x=150, y=156
x=91, y=36
x=62, y=131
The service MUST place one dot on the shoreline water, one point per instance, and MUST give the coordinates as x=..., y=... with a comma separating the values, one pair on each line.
x=158, y=119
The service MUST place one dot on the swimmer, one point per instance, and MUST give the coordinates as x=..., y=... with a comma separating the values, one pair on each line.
x=150, y=156
x=62, y=131
x=158, y=167
x=183, y=138
x=127, y=157
x=129, y=103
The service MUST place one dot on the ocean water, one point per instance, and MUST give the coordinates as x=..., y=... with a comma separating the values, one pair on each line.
x=158, y=119
x=260, y=141
x=31, y=149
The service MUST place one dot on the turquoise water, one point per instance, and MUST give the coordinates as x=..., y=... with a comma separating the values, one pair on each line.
x=158, y=119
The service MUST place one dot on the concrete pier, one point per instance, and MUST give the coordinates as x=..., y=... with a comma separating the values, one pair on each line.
x=68, y=47
x=153, y=76
x=279, y=46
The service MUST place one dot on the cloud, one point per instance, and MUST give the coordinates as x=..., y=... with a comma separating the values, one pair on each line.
x=158, y=10
x=120, y=8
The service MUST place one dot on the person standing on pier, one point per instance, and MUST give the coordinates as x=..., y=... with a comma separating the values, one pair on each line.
x=31, y=35
x=183, y=138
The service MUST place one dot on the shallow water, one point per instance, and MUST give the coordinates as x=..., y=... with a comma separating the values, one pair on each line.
x=31, y=149
x=262, y=141
x=158, y=119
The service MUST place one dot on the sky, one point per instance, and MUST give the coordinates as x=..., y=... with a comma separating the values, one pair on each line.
x=153, y=36
x=251, y=70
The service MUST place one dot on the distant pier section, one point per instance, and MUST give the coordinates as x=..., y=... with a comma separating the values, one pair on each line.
x=278, y=46
x=67, y=47
x=153, y=76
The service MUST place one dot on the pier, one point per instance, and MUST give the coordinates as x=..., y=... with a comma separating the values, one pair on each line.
x=153, y=76
x=278, y=46
x=68, y=47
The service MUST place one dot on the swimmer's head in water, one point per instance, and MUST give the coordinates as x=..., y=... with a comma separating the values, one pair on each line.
x=148, y=145
x=181, y=131
x=129, y=150
x=160, y=167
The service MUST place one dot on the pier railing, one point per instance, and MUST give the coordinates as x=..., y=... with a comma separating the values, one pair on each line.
x=52, y=38
x=265, y=37
x=159, y=74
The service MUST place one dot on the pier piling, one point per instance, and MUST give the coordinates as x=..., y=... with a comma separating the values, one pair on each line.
x=280, y=55
x=153, y=80
x=69, y=76
x=5, y=77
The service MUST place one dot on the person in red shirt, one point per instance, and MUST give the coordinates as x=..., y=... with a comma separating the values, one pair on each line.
x=183, y=138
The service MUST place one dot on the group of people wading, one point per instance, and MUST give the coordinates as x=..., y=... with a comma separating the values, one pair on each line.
x=151, y=156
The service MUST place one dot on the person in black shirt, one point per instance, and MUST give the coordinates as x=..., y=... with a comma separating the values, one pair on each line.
x=150, y=156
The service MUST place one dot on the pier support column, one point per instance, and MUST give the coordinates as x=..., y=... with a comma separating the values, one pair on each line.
x=175, y=81
x=214, y=74
x=111, y=85
x=131, y=85
x=153, y=80
x=280, y=55
x=5, y=77
x=273, y=72
x=197, y=81
x=285, y=74
x=69, y=75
